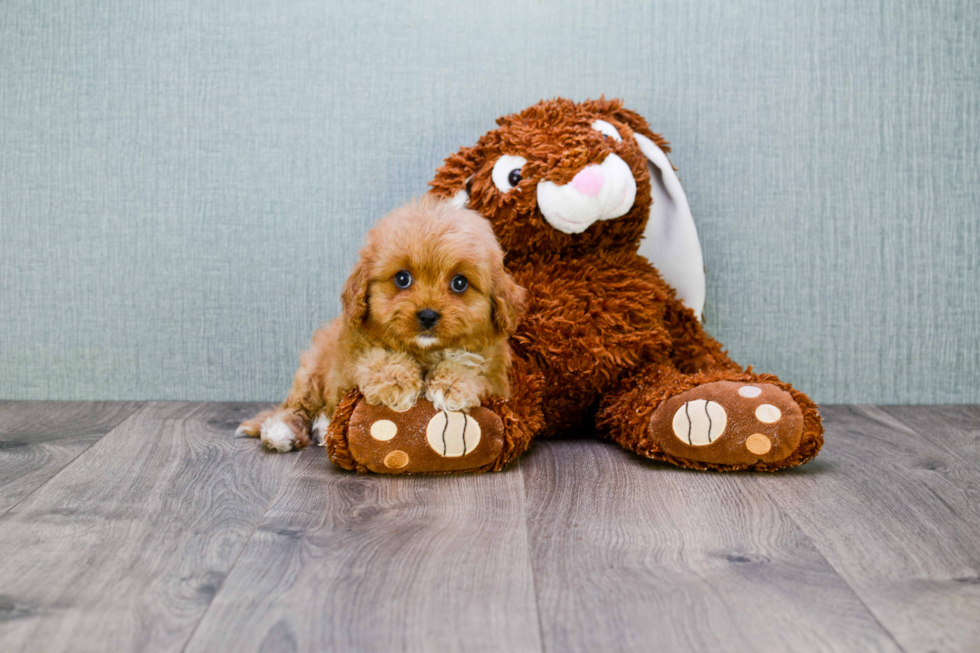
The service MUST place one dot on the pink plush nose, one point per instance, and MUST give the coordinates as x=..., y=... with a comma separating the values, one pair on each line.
x=589, y=181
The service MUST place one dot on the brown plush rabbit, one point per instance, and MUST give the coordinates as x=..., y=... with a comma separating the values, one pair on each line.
x=610, y=343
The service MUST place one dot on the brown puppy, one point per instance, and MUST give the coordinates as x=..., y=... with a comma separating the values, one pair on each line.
x=428, y=309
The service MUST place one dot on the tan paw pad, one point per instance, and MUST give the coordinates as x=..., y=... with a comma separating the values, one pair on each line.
x=758, y=444
x=396, y=459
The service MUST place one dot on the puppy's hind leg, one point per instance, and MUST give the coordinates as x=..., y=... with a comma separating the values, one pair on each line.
x=280, y=429
x=285, y=430
x=253, y=427
x=289, y=426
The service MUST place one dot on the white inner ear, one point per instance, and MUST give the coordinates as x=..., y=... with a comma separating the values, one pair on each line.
x=671, y=242
x=461, y=197
x=605, y=128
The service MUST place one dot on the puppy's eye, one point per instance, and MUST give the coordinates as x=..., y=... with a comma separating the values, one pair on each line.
x=607, y=130
x=403, y=279
x=459, y=284
x=507, y=172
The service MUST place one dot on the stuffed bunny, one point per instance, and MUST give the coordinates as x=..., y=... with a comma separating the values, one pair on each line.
x=612, y=341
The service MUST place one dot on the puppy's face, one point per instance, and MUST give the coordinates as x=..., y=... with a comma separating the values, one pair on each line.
x=432, y=278
x=431, y=301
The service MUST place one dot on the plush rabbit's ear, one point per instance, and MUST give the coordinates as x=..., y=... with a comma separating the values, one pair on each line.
x=453, y=178
x=671, y=239
x=462, y=196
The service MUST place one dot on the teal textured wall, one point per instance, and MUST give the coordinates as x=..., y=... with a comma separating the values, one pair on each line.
x=184, y=184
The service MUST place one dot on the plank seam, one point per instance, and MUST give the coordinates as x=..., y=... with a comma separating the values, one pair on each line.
x=140, y=406
x=530, y=561
x=881, y=415
x=816, y=547
x=245, y=543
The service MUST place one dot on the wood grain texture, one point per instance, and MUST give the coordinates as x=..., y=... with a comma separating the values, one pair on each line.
x=38, y=438
x=124, y=549
x=346, y=562
x=631, y=555
x=954, y=429
x=168, y=533
x=893, y=502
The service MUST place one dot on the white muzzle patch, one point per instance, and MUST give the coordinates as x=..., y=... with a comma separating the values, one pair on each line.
x=598, y=192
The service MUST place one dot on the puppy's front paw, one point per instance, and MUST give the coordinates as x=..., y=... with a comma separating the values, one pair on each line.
x=318, y=432
x=454, y=394
x=398, y=387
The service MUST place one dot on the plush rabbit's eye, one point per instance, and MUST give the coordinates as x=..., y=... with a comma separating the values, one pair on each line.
x=606, y=130
x=507, y=172
x=403, y=279
x=459, y=284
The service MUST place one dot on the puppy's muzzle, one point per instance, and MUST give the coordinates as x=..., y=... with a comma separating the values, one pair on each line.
x=427, y=318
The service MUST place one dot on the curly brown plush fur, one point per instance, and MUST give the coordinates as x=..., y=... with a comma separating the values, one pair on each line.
x=605, y=342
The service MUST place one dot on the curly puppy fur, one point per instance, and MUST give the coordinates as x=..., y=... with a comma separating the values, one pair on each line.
x=382, y=344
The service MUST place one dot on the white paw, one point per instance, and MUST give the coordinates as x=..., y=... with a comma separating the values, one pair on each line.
x=277, y=435
x=397, y=397
x=400, y=400
x=318, y=432
x=452, y=401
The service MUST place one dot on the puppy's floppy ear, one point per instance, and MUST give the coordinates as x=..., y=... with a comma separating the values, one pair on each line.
x=452, y=179
x=354, y=296
x=509, y=301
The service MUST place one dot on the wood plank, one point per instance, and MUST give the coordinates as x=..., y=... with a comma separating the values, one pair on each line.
x=955, y=429
x=898, y=516
x=346, y=562
x=632, y=555
x=125, y=548
x=38, y=438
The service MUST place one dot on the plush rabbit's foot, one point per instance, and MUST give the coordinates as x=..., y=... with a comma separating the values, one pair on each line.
x=423, y=440
x=729, y=424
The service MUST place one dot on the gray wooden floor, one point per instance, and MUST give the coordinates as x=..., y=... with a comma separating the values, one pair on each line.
x=128, y=527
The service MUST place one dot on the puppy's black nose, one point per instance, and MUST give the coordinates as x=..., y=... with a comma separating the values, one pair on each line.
x=427, y=317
